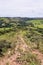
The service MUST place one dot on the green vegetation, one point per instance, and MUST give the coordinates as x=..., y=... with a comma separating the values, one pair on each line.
x=28, y=58
x=30, y=29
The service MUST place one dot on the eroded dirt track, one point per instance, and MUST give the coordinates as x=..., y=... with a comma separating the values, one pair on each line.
x=10, y=61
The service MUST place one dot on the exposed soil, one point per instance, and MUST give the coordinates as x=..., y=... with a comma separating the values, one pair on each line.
x=12, y=59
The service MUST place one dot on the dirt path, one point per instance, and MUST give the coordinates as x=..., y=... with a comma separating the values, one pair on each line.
x=39, y=54
x=12, y=60
x=21, y=44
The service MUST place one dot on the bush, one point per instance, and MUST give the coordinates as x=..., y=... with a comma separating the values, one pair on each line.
x=4, y=46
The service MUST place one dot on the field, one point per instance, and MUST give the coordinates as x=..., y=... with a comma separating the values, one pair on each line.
x=21, y=41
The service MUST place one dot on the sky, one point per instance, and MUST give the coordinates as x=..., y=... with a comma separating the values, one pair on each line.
x=21, y=8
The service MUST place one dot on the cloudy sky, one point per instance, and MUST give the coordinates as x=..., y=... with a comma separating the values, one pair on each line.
x=21, y=8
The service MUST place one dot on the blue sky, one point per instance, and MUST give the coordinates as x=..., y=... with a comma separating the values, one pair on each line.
x=21, y=8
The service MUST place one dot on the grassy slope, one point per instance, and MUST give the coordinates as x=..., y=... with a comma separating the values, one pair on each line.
x=12, y=36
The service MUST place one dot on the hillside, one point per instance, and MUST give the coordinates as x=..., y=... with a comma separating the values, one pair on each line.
x=21, y=41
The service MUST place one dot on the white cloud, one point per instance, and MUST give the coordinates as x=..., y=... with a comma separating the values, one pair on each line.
x=25, y=8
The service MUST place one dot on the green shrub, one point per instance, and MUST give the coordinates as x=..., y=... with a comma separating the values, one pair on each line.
x=4, y=46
